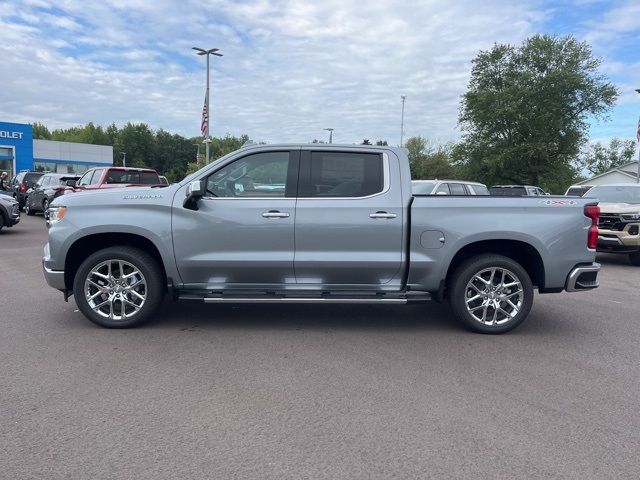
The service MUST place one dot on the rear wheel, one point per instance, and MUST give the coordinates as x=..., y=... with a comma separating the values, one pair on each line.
x=28, y=210
x=1, y=222
x=45, y=205
x=634, y=258
x=491, y=294
x=118, y=287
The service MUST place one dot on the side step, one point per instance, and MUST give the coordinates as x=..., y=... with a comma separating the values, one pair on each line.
x=420, y=297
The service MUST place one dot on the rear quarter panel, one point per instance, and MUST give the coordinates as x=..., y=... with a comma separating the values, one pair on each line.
x=555, y=226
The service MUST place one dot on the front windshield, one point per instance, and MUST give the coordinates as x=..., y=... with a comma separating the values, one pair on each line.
x=422, y=188
x=612, y=194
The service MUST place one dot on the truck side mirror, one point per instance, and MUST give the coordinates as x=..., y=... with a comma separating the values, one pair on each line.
x=71, y=183
x=195, y=191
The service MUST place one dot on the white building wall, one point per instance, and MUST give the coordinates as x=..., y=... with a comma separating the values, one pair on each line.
x=74, y=152
x=609, y=177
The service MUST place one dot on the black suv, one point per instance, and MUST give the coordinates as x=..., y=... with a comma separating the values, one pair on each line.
x=48, y=187
x=21, y=183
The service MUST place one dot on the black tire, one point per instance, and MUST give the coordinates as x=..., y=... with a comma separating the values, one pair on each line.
x=144, y=263
x=45, y=205
x=28, y=210
x=460, y=289
x=1, y=222
x=634, y=259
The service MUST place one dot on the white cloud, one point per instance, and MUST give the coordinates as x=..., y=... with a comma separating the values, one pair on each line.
x=289, y=69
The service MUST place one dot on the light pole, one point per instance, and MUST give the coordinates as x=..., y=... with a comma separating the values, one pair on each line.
x=330, y=130
x=403, y=97
x=197, y=154
x=211, y=51
x=638, y=142
x=124, y=159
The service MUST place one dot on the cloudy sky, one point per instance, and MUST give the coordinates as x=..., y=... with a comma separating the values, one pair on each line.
x=289, y=69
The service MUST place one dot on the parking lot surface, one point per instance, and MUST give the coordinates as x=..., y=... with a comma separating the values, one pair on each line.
x=254, y=391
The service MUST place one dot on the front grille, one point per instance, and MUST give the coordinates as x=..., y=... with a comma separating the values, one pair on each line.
x=611, y=222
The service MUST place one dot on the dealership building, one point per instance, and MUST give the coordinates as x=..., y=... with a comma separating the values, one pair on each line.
x=20, y=152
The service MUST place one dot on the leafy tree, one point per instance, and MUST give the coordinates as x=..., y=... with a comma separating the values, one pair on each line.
x=427, y=160
x=41, y=132
x=365, y=142
x=525, y=113
x=599, y=158
x=382, y=143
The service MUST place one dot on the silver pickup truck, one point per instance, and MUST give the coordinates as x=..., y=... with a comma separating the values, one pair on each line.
x=315, y=223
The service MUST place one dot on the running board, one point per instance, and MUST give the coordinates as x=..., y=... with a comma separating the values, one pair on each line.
x=334, y=299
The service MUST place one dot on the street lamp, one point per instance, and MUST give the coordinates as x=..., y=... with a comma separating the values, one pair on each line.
x=330, y=130
x=197, y=154
x=403, y=97
x=211, y=51
x=638, y=141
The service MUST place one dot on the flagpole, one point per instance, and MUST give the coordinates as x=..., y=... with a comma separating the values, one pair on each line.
x=207, y=140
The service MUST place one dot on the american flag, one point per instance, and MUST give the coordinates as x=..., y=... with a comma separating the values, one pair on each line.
x=204, y=124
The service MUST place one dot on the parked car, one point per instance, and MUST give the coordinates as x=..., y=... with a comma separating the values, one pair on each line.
x=48, y=187
x=577, y=190
x=20, y=185
x=516, y=191
x=447, y=187
x=360, y=236
x=619, y=224
x=114, y=177
x=9, y=211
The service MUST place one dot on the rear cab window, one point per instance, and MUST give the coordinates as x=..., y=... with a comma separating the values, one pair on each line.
x=329, y=174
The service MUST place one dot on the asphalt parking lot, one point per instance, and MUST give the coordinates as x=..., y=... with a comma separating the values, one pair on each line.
x=256, y=391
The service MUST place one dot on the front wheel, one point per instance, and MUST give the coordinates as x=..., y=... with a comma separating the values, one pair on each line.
x=118, y=287
x=490, y=294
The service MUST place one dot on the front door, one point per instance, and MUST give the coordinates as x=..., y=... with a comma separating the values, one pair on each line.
x=349, y=221
x=242, y=235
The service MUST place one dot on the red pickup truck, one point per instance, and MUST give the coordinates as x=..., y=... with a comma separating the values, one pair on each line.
x=113, y=177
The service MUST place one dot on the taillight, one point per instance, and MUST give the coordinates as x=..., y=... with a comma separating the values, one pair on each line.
x=23, y=188
x=593, y=212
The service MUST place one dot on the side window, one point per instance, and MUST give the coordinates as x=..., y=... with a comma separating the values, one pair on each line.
x=97, y=174
x=532, y=191
x=478, y=189
x=443, y=189
x=258, y=175
x=457, y=189
x=86, y=178
x=343, y=174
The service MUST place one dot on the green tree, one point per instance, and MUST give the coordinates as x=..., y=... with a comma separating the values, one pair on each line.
x=525, y=113
x=427, y=160
x=41, y=132
x=365, y=142
x=600, y=158
x=382, y=143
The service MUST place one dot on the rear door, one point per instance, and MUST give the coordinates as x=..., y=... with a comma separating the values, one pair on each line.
x=349, y=220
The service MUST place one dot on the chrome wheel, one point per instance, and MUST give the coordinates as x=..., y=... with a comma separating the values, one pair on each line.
x=115, y=289
x=494, y=296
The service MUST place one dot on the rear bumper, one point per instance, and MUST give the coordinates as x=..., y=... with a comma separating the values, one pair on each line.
x=583, y=277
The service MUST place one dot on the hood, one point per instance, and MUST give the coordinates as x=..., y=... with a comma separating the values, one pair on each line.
x=619, y=207
x=115, y=195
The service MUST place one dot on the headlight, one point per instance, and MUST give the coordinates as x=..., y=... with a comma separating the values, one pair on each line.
x=55, y=214
x=631, y=216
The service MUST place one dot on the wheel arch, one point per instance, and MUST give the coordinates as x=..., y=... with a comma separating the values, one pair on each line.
x=89, y=244
x=522, y=252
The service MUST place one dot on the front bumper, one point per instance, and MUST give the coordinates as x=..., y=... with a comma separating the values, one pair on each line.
x=55, y=278
x=583, y=277
x=626, y=240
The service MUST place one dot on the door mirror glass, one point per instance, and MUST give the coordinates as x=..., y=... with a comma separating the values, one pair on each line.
x=71, y=183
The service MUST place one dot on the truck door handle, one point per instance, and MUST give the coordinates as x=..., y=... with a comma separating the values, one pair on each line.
x=275, y=214
x=382, y=215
